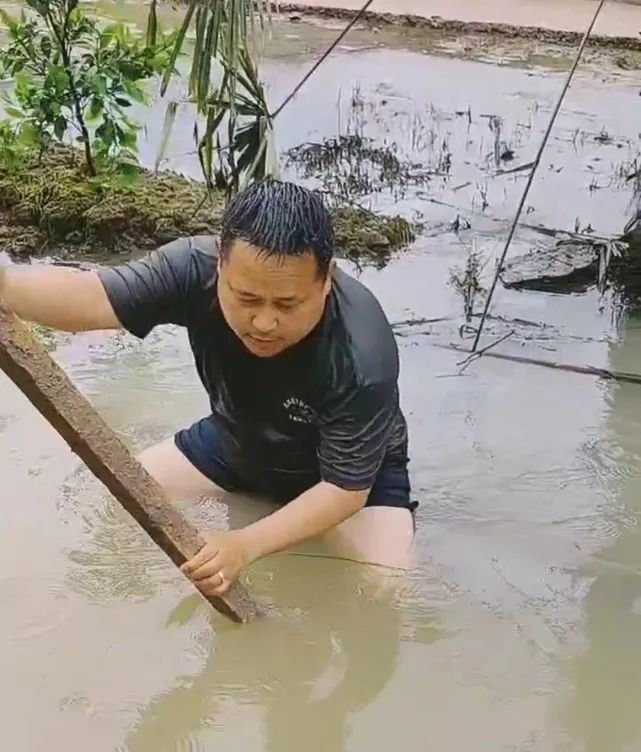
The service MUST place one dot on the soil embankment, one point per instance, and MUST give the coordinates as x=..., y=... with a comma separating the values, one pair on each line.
x=619, y=23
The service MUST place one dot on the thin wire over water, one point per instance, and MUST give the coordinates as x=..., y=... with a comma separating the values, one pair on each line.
x=537, y=161
x=353, y=21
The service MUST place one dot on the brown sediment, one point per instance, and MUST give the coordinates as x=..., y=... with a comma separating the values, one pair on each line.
x=451, y=25
x=54, y=395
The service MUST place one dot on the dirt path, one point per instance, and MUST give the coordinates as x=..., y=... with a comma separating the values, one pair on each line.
x=618, y=19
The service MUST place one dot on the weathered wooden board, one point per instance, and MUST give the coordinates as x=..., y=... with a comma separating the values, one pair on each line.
x=51, y=391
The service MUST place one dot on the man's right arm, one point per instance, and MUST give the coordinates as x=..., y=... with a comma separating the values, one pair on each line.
x=57, y=297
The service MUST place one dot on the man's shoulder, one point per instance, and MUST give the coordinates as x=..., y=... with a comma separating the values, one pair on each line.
x=196, y=253
x=189, y=262
x=367, y=335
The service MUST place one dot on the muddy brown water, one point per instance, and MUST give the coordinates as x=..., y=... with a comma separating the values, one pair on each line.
x=518, y=628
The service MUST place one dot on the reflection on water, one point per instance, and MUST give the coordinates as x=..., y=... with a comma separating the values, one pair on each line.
x=307, y=674
x=604, y=712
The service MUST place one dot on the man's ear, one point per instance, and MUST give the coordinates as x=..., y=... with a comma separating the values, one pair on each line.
x=329, y=279
x=220, y=254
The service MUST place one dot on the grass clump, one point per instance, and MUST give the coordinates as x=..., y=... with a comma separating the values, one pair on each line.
x=365, y=237
x=50, y=205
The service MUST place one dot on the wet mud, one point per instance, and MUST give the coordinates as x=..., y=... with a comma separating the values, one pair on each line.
x=378, y=20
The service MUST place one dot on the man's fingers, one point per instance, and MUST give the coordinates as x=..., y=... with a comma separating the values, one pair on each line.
x=209, y=569
x=206, y=553
x=213, y=586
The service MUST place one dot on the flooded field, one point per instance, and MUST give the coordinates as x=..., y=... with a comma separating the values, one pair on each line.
x=519, y=627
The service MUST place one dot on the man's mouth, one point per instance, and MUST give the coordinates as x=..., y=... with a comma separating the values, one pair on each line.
x=261, y=340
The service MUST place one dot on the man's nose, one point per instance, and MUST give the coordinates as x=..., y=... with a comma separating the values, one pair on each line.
x=264, y=322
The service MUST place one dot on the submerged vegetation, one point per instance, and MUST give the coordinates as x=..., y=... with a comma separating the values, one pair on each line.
x=351, y=166
x=467, y=283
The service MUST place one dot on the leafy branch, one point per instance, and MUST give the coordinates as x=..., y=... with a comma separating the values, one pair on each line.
x=70, y=75
x=225, y=86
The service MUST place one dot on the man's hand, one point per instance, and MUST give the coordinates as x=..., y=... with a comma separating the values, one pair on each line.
x=218, y=563
x=223, y=557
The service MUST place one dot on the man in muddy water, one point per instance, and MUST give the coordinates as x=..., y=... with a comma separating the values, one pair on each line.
x=300, y=365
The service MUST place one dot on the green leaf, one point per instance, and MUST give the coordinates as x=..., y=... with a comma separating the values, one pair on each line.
x=59, y=127
x=96, y=107
x=129, y=173
x=134, y=91
x=98, y=84
x=22, y=79
x=152, y=25
x=178, y=45
x=14, y=112
x=58, y=78
x=122, y=101
x=106, y=37
x=105, y=135
x=28, y=135
x=170, y=117
x=46, y=46
x=129, y=139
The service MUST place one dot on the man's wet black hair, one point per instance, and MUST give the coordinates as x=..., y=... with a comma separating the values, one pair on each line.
x=282, y=219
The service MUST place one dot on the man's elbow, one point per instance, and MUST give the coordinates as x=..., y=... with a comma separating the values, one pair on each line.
x=354, y=500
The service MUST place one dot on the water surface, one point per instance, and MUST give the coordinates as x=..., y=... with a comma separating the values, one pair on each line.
x=518, y=628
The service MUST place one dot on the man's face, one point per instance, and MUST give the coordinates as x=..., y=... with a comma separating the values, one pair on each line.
x=270, y=303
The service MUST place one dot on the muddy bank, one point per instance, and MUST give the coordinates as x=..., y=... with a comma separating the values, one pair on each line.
x=50, y=207
x=379, y=20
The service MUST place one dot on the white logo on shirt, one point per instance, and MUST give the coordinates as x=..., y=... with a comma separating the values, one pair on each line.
x=298, y=411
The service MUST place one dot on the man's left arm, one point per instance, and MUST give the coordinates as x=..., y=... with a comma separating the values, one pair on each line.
x=354, y=435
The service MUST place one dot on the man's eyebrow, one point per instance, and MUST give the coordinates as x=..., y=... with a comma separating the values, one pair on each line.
x=240, y=291
x=247, y=294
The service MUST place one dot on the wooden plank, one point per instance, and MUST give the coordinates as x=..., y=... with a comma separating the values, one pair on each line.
x=54, y=395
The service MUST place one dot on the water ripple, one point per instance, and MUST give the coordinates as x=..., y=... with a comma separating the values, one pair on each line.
x=116, y=559
x=47, y=610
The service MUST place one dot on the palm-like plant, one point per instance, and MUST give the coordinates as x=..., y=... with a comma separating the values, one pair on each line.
x=225, y=86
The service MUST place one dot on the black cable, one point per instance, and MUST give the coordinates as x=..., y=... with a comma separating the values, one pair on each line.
x=322, y=59
x=537, y=161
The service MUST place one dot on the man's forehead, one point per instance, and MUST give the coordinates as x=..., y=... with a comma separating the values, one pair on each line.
x=249, y=268
x=258, y=290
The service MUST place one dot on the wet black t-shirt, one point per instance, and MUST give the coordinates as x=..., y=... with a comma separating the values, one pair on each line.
x=327, y=408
